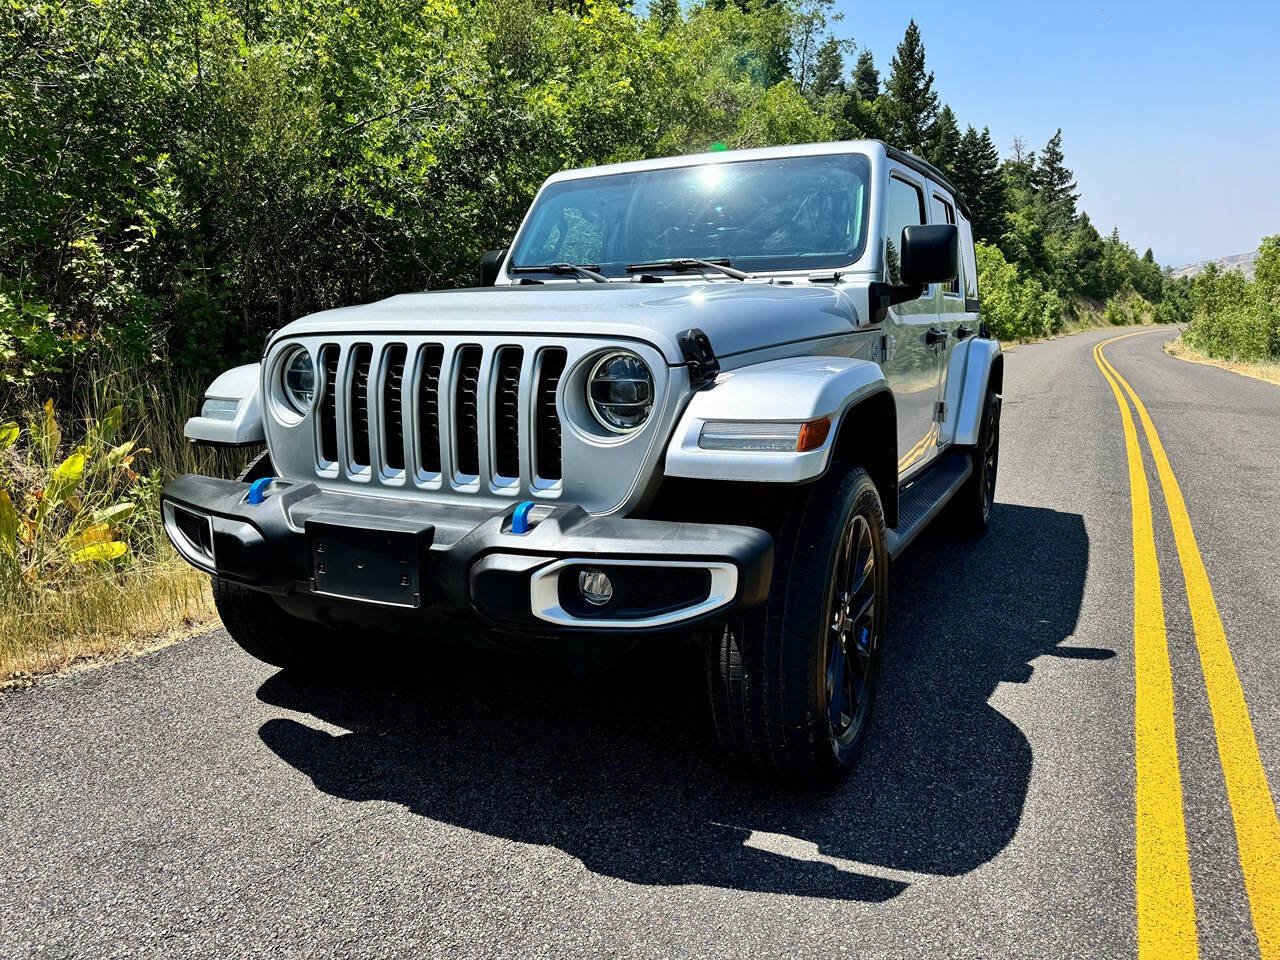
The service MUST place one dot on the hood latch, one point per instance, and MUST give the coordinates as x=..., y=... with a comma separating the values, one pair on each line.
x=699, y=357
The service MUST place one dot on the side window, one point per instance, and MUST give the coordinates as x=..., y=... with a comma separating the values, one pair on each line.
x=968, y=262
x=944, y=212
x=906, y=209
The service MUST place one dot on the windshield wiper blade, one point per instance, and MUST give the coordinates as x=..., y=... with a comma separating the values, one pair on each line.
x=690, y=263
x=588, y=270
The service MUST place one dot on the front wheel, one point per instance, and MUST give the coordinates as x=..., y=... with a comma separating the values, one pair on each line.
x=263, y=630
x=792, y=686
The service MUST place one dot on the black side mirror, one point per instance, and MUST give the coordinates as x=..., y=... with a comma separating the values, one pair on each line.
x=490, y=262
x=930, y=254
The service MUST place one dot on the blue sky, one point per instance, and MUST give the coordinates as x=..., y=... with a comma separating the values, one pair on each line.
x=1170, y=112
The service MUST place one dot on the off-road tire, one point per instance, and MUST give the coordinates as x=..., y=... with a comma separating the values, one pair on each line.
x=969, y=512
x=266, y=632
x=767, y=673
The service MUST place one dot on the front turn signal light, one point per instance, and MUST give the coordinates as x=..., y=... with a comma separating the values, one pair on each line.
x=772, y=436
x=813, y=434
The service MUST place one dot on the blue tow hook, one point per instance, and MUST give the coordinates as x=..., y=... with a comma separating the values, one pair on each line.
x=520, y=519
x=258, y=491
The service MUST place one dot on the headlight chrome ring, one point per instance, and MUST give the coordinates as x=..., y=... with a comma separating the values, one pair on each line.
x=620, y=391
x=298, y=380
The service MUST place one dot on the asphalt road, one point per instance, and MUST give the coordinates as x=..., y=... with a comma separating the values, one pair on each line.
x=195, y=802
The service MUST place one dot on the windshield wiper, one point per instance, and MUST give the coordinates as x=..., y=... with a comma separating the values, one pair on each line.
x=690, y=263
x=588, y=270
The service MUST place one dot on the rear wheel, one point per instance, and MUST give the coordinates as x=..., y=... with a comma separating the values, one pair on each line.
x=970, y=509
x=792, y=687
x=266, y=632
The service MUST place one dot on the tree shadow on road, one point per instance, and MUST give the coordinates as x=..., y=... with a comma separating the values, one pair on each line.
x=621, y=771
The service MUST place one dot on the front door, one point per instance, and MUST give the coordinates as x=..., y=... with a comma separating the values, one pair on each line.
x=914, y=349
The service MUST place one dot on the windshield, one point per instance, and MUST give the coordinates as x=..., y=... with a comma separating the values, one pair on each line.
x=792, y=213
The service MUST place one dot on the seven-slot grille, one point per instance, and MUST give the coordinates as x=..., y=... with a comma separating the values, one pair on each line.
x=464, y=408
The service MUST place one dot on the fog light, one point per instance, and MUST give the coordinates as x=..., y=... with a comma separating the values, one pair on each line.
x=595, y=587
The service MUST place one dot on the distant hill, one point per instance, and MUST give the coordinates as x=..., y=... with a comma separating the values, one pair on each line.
x=1244, y=262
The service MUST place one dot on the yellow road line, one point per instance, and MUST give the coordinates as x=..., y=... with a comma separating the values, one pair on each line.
x=1252, y=807
x=1166, y=907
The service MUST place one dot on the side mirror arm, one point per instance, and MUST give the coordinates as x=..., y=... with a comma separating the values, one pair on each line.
x=881, y=296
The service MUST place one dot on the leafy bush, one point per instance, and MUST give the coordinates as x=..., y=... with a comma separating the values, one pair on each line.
x=65, y=508
x=1233, y=318
x=1128, y=308
x=1016, y=308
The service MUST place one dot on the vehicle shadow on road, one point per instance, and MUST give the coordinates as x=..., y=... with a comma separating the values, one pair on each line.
x=622, y=772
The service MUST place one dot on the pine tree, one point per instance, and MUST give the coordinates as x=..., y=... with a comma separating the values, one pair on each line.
x=912, y=101
x=866, y=78
x=828, y=69
x=977, y=176
x=966, y=171
x=944, y=141
x=1055, y=188
x=993, y=198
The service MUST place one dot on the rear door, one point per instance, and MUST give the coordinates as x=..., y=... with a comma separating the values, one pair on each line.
x=912, y=363
x=949, y=298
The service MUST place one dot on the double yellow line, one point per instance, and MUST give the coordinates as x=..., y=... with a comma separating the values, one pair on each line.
x=1166, y=906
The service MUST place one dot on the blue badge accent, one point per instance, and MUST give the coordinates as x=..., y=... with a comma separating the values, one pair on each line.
x=520, y=519
x=257, y=491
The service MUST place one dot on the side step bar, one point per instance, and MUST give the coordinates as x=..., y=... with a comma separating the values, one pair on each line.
x=926, y=496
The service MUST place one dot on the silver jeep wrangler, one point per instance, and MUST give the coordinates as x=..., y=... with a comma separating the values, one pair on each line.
x=708, y=396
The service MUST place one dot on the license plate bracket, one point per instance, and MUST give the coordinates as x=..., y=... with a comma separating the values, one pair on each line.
x=377, y=562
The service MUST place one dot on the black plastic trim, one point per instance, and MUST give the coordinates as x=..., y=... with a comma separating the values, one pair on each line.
x=926, y=168
x=475, y=568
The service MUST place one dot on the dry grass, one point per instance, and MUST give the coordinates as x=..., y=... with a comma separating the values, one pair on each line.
x=102, y=618
x=69, y=616
x=1270, y=372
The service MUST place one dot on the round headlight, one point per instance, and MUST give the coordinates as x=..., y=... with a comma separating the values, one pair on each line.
x=299, y=380
x=620, y=391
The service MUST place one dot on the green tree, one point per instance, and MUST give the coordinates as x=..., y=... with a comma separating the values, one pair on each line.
x=1019, y=170
x=1055, y=187
x=866, y=78
x=828, y=70
x=976, y=171
x=912, y=103
x=944, y=141
x=664, y=13
x=806, y=26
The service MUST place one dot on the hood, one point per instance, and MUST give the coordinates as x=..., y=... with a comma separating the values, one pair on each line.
x=737, y=317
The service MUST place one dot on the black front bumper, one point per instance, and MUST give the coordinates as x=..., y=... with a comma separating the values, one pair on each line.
x=461, y=562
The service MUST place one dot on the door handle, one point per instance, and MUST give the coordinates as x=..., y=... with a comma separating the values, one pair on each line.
x=963, y=333
x=935, y=335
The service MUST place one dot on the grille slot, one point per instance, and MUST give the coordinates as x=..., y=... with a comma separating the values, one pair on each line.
x=362, y=356
x=329, y=403
x=392, y=406
x=506, y=412
x=431, y=358
x=547, y=429
x=466, y=411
